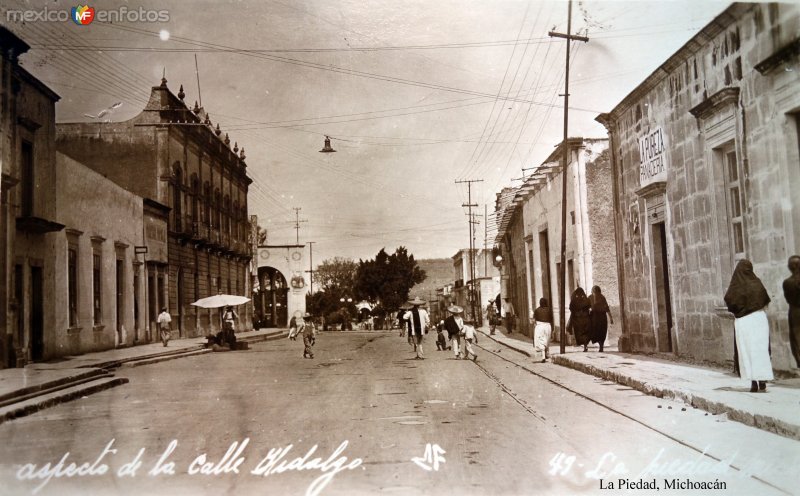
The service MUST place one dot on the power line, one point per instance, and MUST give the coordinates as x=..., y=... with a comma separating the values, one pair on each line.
x=325, y=67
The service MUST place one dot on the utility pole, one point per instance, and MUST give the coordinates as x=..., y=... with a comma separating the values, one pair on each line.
x=469, y=205
x=297, y=222
x=562, y=313
x=311, y=264
x=485, y=241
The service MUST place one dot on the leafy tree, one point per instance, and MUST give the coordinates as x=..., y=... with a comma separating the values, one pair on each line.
x=338, y=273
x=388, y=278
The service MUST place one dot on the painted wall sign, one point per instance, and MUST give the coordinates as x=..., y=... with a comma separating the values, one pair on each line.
x=652, y=157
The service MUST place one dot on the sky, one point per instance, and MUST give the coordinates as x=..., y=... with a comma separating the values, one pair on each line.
x=415, y=95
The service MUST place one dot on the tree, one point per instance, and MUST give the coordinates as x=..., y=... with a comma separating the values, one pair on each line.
x=388, y=278
x=337, y=273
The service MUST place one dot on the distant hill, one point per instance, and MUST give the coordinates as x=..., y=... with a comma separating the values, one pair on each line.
x=439, y=272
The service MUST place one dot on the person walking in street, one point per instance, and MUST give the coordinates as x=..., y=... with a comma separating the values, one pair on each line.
x=491, y=316
x=306, y=326
x=746, y=299
x=441, y=341
x=579, y=307
x=599, y=317
x=454, y=325
x=164, y=322
x=791, y=291
x=419, y=322
x=294, y=322
x=509, y=315
x=470, y=338
x=402, y=322
x=542, y=328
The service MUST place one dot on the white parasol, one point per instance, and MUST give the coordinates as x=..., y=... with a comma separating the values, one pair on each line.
x=220, y=300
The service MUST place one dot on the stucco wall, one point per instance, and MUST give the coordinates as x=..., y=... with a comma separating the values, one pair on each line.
x=93, y=207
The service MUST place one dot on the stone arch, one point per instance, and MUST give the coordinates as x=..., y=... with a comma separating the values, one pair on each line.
x=271, y=300
x=289, y=262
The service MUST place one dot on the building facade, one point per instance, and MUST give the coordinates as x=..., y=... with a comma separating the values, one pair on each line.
x=171, y=156
x=706, y=167
x=28, y=212
x=485, y=285
x=97, y=300
x=71, y=279
x=529, y=233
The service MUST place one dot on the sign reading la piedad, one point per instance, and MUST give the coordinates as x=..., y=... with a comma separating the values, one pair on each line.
x=652, y=157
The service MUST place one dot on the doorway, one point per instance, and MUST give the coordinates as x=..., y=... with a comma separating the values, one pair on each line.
x=120, y=282
x=544, y=259
x=663, y=295
x=37, y=315
x=180, y=302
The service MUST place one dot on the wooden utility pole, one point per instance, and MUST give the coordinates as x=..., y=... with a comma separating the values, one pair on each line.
x=297, y=222
x=562, y=312
x=485, y=242
x=469, y=205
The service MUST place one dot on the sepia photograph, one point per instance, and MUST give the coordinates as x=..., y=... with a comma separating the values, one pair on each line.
x=399, y=247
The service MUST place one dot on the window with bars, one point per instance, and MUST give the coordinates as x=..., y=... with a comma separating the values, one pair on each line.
x=733, y=194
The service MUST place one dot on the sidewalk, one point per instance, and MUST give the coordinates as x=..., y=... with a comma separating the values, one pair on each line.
x=40, y=385
x=712, y=390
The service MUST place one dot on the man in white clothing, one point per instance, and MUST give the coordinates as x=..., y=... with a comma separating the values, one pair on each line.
x=419, y=321
x=164, y=323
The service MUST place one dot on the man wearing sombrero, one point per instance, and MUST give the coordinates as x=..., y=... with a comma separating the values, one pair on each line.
x=454, y=325
x=418, y=322
x=309, y=335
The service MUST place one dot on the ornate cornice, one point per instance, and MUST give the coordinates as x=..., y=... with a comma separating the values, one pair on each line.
x=719, y=99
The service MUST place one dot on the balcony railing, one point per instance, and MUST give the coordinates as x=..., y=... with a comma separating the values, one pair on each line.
x=199, y=231
x=214, y=236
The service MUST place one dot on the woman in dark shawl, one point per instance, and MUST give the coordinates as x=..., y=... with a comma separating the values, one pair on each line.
x=599, y=317
x=579, y=307
x=746, y=299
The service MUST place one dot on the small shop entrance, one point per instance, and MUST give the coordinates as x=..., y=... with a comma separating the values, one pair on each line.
x=661, y=279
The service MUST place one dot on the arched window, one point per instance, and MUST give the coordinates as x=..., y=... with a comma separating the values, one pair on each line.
x=217, y=209
x=226, y=228
x=206, y=203
x=235, y=216
x=195, y=198
x=177, y=185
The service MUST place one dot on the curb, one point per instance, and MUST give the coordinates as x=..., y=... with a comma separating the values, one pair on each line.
x=263, y=337
x=157, y=359
x=507, y=345
x=93, y=373
x=33, y=405
x=762, y=422
x=112, y=364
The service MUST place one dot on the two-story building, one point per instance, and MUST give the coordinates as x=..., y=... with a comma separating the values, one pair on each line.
x=172, y=156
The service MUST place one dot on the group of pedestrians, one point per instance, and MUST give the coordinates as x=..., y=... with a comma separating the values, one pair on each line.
x=415, y=324
x=225, y=337
x=589, y=317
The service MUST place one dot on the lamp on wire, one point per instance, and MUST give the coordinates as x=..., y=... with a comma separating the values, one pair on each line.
x=327, y=148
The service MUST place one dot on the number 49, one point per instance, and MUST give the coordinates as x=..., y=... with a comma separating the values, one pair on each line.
x=561, y=464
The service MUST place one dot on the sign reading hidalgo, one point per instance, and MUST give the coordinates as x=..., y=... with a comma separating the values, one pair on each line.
x=653, y=163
